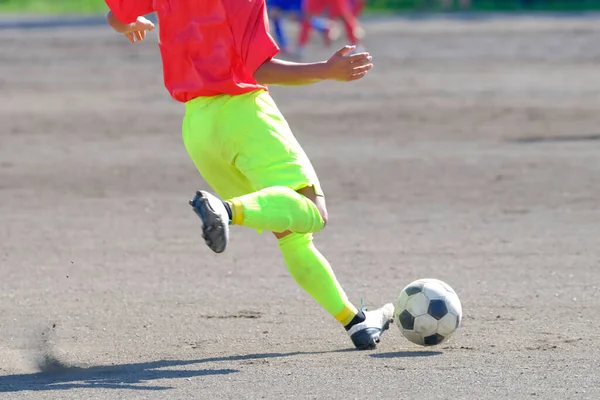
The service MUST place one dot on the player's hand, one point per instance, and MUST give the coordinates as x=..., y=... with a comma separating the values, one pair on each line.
x=136, y=31
x=345, y=67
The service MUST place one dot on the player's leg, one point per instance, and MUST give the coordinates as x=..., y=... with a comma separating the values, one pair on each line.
x=280, y=36
x=226, y=156
x=289, y=198
x=305, y=28
x=310, y=10
x=351, y=28
x=342, y=10
x=210, y=151
x=320, y=24
x=311, y=270
x=328, y=29
x=358, y=7
x=269, y=156
x=276, y=16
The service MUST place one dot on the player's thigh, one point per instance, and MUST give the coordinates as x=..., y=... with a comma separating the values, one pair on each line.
x=319, y=201
x=268, y=152
x=224, y=178
x=210, y=150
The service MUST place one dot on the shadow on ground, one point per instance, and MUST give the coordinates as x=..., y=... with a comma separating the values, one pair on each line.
x=54, y=375
x=125, y=376
x=407, y=354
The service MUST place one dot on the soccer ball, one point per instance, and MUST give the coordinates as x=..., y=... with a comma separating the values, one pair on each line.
x=427, y=311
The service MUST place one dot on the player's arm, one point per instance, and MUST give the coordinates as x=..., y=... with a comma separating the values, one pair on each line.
x=126, y=17
x=340, y=67
x=134, y=31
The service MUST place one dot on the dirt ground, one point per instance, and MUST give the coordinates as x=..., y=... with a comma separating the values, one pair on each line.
x=468, y=155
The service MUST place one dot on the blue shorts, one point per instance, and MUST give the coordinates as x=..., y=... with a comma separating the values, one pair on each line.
x=285, y=5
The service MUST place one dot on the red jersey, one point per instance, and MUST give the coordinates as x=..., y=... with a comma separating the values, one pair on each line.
x=207, y=47
x=335, y=8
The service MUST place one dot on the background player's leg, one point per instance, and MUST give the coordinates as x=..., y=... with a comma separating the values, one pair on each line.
x=351, y=27
x=343, y=10
x=320, y=24
x=358, y=8
x=327, y=28
x=276, y=17
x=310, y=9
x=305, y=28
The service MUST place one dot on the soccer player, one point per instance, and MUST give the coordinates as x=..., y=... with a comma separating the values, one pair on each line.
x=342, y=9
x=217, y=58
x=279, y=9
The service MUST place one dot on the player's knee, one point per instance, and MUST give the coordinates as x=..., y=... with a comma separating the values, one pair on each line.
x=281, y=235
x=319, y=201
x=322, y=210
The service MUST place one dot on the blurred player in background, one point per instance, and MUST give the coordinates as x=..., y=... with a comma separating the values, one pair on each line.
x=358, y=6
x=217, y=58
x=336, y=9
x=280, y=9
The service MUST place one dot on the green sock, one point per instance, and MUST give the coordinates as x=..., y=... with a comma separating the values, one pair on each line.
x=313, y=273
x=277, y=209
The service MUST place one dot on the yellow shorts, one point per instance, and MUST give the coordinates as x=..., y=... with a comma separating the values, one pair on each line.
x=241, y=144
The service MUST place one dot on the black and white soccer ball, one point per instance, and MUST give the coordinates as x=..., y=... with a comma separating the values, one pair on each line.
x=428, y=312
